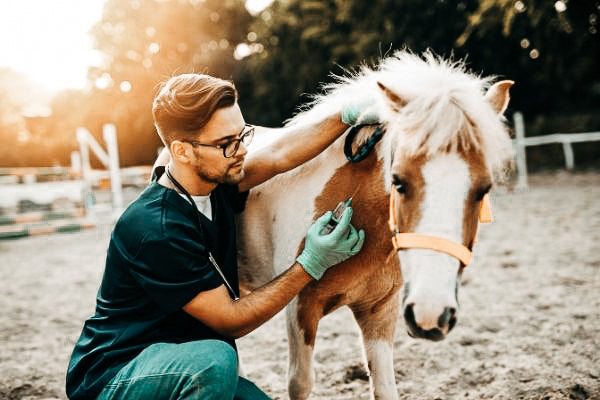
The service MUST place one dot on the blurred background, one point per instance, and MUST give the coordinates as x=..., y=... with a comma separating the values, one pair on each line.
x=68, y=64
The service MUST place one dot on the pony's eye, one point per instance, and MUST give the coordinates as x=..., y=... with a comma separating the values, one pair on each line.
x=400, y=185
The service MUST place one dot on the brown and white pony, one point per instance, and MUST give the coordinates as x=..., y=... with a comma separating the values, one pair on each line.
x=445, y=144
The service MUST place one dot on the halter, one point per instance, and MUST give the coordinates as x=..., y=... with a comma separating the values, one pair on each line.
x=404, y=240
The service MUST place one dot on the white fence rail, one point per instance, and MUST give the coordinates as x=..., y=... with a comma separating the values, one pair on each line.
x=566, y=139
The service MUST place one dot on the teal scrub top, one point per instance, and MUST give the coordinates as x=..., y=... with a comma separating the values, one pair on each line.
x=157, y=262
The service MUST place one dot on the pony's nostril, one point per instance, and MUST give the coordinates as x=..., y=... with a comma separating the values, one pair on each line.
x=451, y=323
x=448, y=318
x=416, y=331
x=409, y=316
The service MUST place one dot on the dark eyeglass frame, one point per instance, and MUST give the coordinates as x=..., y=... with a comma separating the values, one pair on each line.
x=232, y=146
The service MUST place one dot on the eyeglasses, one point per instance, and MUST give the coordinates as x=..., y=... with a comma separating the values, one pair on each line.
x=232, y=146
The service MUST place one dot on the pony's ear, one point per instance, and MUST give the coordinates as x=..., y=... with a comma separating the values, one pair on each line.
x=498, y=95
x=395, y=101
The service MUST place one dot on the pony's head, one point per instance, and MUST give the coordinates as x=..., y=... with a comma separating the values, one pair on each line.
x=445, y=146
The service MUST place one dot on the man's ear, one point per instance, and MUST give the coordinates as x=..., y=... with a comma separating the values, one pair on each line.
x=180, y=151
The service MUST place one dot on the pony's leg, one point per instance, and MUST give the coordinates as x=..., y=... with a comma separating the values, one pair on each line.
x=377, y=324
x=301, y=331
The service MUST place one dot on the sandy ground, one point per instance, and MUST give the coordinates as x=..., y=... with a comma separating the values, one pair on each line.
x=529, y=324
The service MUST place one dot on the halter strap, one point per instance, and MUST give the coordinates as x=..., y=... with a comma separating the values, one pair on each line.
x=415, y=240
x=404, y=240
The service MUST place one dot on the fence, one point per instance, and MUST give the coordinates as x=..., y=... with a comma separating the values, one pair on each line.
x=36, y=201
x=566, y=139
x=40, y=201
x=109, y=158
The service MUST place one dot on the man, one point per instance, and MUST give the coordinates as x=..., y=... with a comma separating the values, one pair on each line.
x=168, y=311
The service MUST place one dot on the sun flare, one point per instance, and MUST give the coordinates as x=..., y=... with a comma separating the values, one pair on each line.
x=48, y=40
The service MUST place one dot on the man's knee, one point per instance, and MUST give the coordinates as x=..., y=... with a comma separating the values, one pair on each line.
x=225, y=359
x=218, y=380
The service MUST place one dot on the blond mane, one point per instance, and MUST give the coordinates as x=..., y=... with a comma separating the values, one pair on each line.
x=445, y=110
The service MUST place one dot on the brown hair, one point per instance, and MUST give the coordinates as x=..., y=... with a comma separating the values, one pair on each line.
x=185, y=104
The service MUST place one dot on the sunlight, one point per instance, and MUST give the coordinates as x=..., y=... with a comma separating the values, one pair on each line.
x=49, y=41
x=256, y=6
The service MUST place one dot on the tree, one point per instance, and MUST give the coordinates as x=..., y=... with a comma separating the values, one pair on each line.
x=298, y=43
x=551, y=49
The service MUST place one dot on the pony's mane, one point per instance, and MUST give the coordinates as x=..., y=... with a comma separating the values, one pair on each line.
x=445, y=111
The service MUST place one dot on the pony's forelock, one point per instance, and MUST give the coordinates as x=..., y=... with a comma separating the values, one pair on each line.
x=445, y=110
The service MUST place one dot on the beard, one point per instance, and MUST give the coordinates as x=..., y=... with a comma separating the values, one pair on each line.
x=230, y=177
x=234, y=178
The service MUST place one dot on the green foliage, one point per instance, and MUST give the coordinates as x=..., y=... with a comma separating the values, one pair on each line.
x=553, y=54
x=305, y=41
x=551, y=49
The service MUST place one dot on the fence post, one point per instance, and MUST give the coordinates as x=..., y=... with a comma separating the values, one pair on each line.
x=75, y=162
x=84, y=152
x=109, y=132
x=109, y=159
x=521, y=154
x=569, y=155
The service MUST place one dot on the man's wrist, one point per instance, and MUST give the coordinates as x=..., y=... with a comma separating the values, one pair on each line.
x=304, y=269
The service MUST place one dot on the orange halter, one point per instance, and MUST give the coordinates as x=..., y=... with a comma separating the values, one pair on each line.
x=414, y=240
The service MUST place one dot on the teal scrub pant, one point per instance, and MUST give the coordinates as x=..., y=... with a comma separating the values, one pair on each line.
x=204, y=369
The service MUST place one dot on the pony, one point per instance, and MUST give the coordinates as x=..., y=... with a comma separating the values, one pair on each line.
x=417, y=192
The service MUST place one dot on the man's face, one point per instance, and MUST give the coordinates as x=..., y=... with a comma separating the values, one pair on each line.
x=210, y=163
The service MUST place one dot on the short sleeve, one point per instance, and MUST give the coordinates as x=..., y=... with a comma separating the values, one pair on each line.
x=174, y=269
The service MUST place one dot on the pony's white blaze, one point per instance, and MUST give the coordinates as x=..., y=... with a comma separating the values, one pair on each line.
x=432, y=275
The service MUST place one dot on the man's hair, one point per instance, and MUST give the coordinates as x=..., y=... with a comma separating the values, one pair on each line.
x=185, y=103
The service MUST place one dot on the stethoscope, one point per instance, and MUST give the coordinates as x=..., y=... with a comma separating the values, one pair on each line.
x=210, y=256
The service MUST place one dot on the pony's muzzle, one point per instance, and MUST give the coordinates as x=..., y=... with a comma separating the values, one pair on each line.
x=424, y=330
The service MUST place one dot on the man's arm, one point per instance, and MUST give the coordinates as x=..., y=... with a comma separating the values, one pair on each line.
x=294, y=146
x=321, y=251
x=237, y=318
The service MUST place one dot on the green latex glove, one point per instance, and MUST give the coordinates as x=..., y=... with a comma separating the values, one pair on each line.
x=360, y=112
x=324, y=251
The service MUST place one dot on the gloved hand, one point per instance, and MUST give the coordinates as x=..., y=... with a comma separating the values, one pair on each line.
x=360, y=112
x=324, y=251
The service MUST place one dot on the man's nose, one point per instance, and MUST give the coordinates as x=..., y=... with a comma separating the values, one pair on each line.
x=242, y=151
